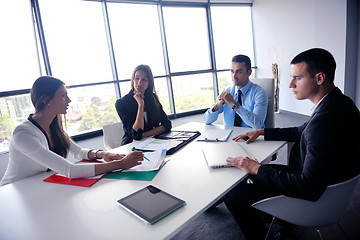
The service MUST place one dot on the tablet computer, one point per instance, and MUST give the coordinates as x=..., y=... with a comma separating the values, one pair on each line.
x=151, y=204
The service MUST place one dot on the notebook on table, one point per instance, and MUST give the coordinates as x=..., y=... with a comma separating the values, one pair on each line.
x=216, y=153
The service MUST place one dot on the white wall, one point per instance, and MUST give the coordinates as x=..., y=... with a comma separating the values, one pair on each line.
x=284, y=28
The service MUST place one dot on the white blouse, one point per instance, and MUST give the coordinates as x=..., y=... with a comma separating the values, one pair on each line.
x=29, y=154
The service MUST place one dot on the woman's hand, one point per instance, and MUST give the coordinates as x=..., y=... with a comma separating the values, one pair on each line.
x=139, y=97
x=249, y=136
x=131, y=160
x=118, y=161
x=108, y=157
x=249, y=165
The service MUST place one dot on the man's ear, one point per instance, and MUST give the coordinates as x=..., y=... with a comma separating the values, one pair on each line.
x=320, y=78
x=249, y=72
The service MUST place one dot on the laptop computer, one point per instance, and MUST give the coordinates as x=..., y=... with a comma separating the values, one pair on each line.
x=216, y=153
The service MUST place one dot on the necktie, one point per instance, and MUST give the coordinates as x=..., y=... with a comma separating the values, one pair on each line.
x=237, y=120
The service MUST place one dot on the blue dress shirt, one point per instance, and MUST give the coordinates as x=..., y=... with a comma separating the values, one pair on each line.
x=252, y=112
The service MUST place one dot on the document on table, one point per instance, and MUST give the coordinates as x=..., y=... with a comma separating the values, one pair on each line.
x=215, y=135
x=157, y=144
x=152, y=161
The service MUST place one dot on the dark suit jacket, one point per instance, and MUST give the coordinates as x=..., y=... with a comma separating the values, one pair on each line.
x=326, y=150
x=127, y=109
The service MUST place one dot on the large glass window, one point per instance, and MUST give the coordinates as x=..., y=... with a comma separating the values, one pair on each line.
x=91, y=107
x=135, y=31
x=187, y=38
x=13, y=111
x=76, y=41
x=192, y=92
x=18, y=55
x=19, y=65
x=232, y=32
x=162, y=92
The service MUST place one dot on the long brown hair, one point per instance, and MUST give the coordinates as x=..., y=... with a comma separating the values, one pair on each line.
x=45, y=87
x=152, y=103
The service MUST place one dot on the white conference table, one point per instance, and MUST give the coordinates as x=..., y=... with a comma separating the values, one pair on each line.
x=33, y=209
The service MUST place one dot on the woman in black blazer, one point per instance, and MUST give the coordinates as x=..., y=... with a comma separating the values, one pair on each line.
x=140, y=110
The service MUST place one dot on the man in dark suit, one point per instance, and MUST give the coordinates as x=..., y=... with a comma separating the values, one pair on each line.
x=326, y=149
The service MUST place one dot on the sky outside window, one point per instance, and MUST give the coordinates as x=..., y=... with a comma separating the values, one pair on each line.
x=18, y=58
x=187, y=38
x=232, y=31
x=136, y=38
x=76, y=41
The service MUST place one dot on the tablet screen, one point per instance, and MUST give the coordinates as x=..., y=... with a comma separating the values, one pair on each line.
x=151, y=204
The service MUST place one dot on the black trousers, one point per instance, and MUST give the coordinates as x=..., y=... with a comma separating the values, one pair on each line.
x=250, y=220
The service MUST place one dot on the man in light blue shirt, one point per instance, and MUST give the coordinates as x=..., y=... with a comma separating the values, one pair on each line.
x=248, y=111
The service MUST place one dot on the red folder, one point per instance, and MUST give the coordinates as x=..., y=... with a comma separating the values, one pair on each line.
x=83, y=182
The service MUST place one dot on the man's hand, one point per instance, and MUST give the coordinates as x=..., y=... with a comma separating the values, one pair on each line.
x=249, y=136
x=218, y=105
x=249, y=165
x=227, y=98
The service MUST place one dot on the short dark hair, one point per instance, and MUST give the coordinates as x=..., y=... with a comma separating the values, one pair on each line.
x=243, y=58
x=317, y=60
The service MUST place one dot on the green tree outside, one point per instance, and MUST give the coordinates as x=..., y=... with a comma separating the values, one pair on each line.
x=95, y=117
x=7, y=125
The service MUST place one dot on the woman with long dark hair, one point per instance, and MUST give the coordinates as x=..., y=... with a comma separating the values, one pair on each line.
x=40, y=143
x=140, y=110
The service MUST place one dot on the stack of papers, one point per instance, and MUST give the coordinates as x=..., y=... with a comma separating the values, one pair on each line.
x=151, y=165
x=152, y=161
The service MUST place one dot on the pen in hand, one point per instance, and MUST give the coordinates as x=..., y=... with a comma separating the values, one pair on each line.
x=144, y=156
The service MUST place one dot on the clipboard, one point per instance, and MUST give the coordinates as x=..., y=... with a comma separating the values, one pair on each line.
x=215, y=135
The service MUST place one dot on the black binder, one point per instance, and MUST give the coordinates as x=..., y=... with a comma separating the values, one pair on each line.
x=184, y=137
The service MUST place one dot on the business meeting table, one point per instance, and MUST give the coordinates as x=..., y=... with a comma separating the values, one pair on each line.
x=32, y=209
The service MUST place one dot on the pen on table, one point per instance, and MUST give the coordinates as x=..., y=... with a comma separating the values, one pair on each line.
x=144, y=156
x=142, y=150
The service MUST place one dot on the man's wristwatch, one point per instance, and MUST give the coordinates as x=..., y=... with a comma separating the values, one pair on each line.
x=236, y=105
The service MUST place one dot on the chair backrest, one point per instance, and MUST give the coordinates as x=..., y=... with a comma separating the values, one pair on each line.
x=113, y=134
x=268, y=85
x=328, y=209
x=4, y=160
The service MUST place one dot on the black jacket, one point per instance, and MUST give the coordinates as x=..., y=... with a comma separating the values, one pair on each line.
x=326, y=150
x=127, y=109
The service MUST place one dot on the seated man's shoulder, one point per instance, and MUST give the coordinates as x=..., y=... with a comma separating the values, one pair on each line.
x=259, y=91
